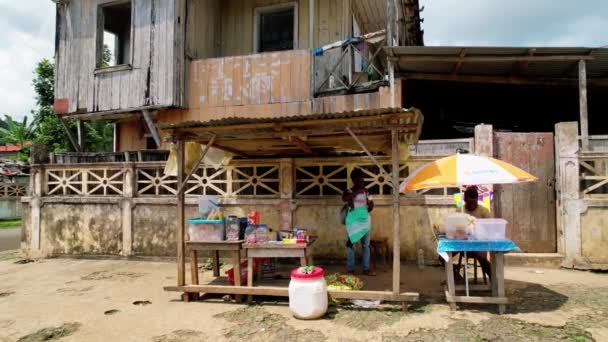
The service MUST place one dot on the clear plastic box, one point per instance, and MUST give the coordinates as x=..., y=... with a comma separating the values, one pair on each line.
x=490, y=229
x=458, y=226
x=206, y=230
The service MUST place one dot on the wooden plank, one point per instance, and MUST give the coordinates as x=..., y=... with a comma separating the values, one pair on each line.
x=275, y=77
x=193, y=267
x=246, y=91
x=582, y=97
x=204, y=75
x=283, y=292
x=216, y=84
x=276, y=253
x=237, y=77
x=475, y=299
x=285, y=71
x=228, y=81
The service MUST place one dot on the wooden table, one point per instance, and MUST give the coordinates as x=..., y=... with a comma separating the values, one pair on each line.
x=275, y=250
x=234, y=247
x=496, y=286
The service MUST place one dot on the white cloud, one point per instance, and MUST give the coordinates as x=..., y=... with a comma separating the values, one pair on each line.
x=28, y=33
x=515, y=22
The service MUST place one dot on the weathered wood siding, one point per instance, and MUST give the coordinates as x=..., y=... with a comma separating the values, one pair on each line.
x=238, y=19
x=156, y=76
x=203, y=29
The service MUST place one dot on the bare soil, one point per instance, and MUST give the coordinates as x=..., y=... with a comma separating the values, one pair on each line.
x=113, y=300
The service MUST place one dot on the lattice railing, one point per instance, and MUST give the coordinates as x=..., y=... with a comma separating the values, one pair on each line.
x=331, y=179
x=12, y=190
x=594, y=175
x=85, y=181
x=226, y=181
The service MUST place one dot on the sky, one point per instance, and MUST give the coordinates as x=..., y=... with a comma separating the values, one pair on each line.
x=27, y=33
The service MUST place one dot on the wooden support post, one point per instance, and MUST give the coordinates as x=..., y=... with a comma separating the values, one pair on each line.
x=80, y=133
x=115, y=137
x=582, y=99
x=73, y=141
x=181, y=223
x=311, y=44
x=396, y=216
x=151, y=127
x=390, y=41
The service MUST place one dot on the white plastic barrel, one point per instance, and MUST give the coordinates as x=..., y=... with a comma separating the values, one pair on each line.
x=308, y=293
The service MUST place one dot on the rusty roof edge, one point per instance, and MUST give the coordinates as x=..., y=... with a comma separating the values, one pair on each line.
x=321, y=116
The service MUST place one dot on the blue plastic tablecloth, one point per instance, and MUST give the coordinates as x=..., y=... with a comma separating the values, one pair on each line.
x=445, y=245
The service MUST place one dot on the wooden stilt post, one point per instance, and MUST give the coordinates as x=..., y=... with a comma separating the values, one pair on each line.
x=77, y=147
x=396, y=216
x=582, y=98
x=311, y=45
x=181, y=224
x=390, y=41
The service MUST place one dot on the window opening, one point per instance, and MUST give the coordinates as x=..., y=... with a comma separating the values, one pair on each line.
x=115, y=31
x=276, y=28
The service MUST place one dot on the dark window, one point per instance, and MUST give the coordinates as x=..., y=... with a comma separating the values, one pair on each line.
x=276, y=30
x=114, y=30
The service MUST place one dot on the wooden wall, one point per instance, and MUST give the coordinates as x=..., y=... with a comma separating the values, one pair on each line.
x=237, y=23
x=155, y=77
x=203, y=29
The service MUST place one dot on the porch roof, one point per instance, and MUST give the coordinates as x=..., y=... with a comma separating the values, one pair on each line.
x=320, y=134
x=541, y=65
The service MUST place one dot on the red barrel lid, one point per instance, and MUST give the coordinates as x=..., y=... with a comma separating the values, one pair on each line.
x=298, y=273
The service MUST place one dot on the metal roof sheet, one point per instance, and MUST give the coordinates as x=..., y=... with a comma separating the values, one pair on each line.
x=251, y=120
x=597, y=65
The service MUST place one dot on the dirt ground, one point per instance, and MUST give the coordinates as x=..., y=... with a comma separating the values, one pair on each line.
x=113, y=300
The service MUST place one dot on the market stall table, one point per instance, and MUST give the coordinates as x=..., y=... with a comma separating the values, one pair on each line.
x=234, y=247
x=497, y=250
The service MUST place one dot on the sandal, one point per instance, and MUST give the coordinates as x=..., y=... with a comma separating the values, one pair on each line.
x=369, y=273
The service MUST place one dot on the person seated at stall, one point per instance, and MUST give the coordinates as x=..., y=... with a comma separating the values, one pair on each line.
x=472, y=207
x=358, y=197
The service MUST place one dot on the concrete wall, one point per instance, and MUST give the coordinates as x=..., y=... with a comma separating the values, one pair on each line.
x=10, y=208
x=594, y=235
x=97, y=229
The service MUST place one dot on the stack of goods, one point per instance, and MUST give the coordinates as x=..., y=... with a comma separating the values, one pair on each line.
x=297, y=235
x=210, y=227
x=339, y=281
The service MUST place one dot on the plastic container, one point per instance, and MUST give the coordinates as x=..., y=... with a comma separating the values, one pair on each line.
x=308, y=294
x=490, y=229
x=233, y=228
x=206, y=230
x=261, y=233
x=459, y=226
x=250, y=235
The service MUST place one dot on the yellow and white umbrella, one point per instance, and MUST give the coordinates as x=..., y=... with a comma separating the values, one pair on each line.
x=464, y=169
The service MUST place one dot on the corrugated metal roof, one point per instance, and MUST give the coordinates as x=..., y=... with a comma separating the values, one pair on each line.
x=251, y=120
x=597, y=66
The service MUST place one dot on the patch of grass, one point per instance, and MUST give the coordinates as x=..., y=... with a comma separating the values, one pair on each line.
x=51, y=334
x=10, y=224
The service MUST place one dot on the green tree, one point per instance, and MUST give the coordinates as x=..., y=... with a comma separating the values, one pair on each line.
x=18, y=133
x=107, y=56
x=49, y=130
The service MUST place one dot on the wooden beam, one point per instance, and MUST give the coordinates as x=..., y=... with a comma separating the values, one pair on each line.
x=463, y=53
x=284, y=292
x=184, y=183
x=231, y=150
x=582, y=98
x=390, y=30
x=300, y=143
x=311, y=44
x=475, y=300
x=515, y=80
x=181, y=223
x=523, y=65
x=73, y=141
x=151, y=127
x=490, y=59
x=371, y=156
x=396, y=214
